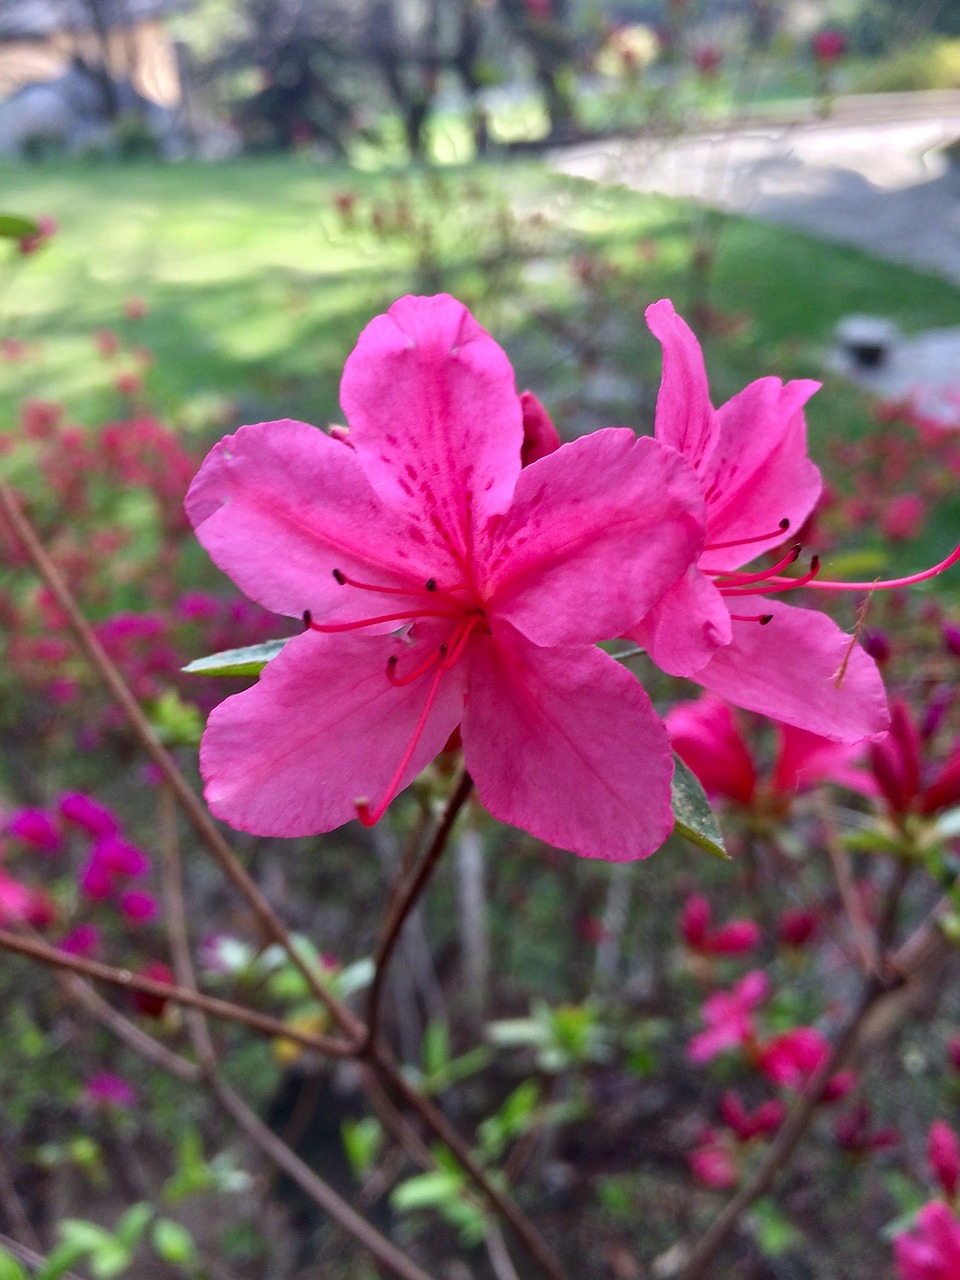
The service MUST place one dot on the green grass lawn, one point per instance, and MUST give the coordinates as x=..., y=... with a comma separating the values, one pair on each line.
x=256, y=287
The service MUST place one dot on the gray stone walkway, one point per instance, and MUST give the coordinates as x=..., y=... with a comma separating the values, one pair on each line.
x=877, y=178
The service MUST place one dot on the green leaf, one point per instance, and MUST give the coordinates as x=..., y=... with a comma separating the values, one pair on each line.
x=427, y=1190
x=110, y=1260
x=13, y=227
x=362, y=1140
x=692, y=816
x=133, y=1224
x=436, y=1047
x=60, y=1261
x=173, y=1242
x=10, y=1268
x=248, y=661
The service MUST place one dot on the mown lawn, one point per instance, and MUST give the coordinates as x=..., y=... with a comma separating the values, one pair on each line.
x=257, y=280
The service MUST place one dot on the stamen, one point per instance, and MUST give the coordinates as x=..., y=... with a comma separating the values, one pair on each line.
x=431, y=584
x=763, y=618
x=782, y=527
x=889, y=583
x=344, y=581
x=399, y=681
x=742, y=579
x=777, y=584
x=383, y=617
x=370, y=817
x=456, y=652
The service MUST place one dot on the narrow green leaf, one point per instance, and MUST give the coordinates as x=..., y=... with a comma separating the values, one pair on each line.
x=173, y=1242
x=692, y=816
x=248, y=661
x=10, y=1268
x=13, y=227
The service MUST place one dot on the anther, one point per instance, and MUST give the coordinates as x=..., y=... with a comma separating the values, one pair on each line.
x=339, y=576
x=431, y=584
x=763, y=618
x=307, y=619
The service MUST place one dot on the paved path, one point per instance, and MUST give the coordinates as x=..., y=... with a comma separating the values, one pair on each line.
x=873, y=176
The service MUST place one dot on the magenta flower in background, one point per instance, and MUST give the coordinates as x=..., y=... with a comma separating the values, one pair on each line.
x=712, y=1162
x=790, y=1058
x=943, y=1156
x=21, y=904
x=715, y=626
x=120, y=858
x=85, y=812
x=930, y=1250
x=731, y=939
x=746, y=1125
x=35, y=827
x=729, y=1018
x=898, y=766
x=139, y=907
x=106, y=1089
x=828, y=45
x=707, y=735
x=84, y=940
x=442, y=586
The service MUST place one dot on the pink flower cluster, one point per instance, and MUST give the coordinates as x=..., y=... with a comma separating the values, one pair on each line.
x=453, y=566
x=107, y=874
x=930, y=1249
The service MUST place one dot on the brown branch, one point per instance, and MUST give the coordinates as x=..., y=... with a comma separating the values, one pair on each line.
x=14, y=1210
x=32, y=1259
x=393, y=926
x=130, y=981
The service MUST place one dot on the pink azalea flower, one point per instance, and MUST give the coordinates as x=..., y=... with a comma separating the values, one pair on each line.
x=443, y=585
x=730, y=939
x=729, y=1018
x=84, y=940
x=931, y=1249
x=943, y=1154
x=789, y=1059
x=797, y=926
x=85, y=812
x=712, y=626
x=855, y=1135
x=35, y=827
x=106, y=1089
x=898, y=766
x=139, y=907
x=828, y=45
x=19, y=904
x=46, y=229
x=762, y=1121
x=712, y=1163
x=121, y=858
x=707, y=736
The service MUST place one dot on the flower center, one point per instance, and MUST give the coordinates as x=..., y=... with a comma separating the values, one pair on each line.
x=455, y=604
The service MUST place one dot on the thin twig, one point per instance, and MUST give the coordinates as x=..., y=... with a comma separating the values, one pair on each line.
x=14, y=1210
x=394, y=923
x=852, y=905
x=127, y=980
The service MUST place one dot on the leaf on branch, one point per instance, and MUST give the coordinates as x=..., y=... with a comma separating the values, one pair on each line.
x=692, y=816
x=248, y=661
x=13, y=227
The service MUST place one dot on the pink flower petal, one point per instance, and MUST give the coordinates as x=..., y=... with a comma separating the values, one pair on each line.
x=280, y=505
x=685, y=417
x=759, y=471
x=434, y=416
x=564, y=743
x=683, y=632
x=805, y=758
x=329, y=729
x=789, y=669
x=539, y=434
x=597, y=532
x=707, y=738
